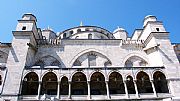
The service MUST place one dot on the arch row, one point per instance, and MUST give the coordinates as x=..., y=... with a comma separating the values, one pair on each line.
x=79, y=83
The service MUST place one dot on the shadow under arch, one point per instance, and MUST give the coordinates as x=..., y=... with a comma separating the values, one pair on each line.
x=49, y=84
x=130, y=85
x=160, y=82
x=64, y=86
x=79, y=84
x=30, y=84
x=116, y=85
x=143, y=82
x=97, y=84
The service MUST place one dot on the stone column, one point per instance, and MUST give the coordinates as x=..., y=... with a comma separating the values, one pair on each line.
x=89, y=90
x=126, y=90
x=153, y=87
x=69, y=95
x=58, y=90
x=107, y=88
x=39, y=89
x=136, y=89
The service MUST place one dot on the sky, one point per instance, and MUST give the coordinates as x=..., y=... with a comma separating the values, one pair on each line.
x=63, y=14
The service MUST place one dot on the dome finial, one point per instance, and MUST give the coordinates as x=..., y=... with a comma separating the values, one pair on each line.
x=48, y=27
x=81, y=23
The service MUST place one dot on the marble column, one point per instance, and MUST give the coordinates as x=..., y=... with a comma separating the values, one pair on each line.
x=69, y=95
x=39, y=89
x=89, y=90
x=107, y=88
x=58, y=90
x=126, y=90
x=153, y=87
x=136, y=89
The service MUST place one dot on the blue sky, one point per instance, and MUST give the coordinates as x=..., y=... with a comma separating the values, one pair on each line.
x=63, y=14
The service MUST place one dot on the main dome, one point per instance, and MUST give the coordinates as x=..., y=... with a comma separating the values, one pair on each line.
x=86, y=32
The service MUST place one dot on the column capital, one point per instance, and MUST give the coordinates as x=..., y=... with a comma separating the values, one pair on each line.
x=124, y=81
x=151, y=80
x=106, y=81
x=135, y=81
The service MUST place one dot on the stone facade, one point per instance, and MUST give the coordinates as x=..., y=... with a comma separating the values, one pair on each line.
x=89, y=63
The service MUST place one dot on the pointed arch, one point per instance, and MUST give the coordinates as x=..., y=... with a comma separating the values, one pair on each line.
x=76, y=57
x=90, y=59
x=135, y=61
x=139, y=56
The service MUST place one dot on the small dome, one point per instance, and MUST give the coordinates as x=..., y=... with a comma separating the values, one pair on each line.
x=149, y=18
x=29, y=16
x=118, y=29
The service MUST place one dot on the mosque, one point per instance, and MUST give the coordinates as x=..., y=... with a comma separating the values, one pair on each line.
x=89, y=63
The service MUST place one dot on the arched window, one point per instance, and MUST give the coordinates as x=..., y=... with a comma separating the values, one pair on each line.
x=64, y=86
x=87, y=29
x=49, y=84
x=30, y=84
x=116, y=85
x=78, y=30
x=130, y=85
x=89, y=36
x=160, y=82
x=97, y=84
x=64, y=36
x=92, y=60
x=71, y=32
x=76, y=37
x=79, y=84
x=143, y=83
